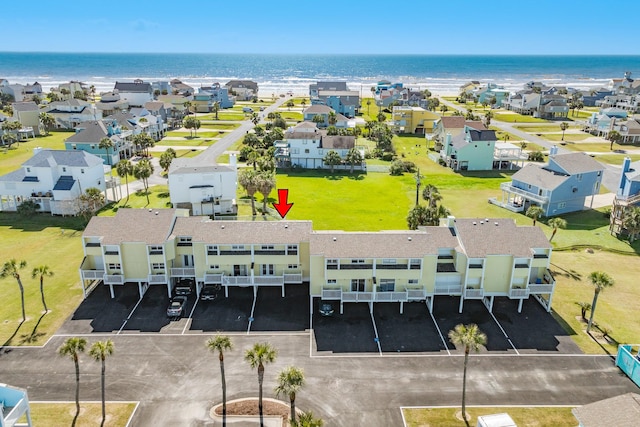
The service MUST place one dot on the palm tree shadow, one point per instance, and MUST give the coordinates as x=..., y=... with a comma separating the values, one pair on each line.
x=34, y=335
x=572, y=274
x=8, y=341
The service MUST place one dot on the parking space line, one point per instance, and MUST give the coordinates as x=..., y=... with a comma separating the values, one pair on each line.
x=190, y=314
x=253, y=307
x=129, y=317
x=505, y=334
x=375, y=330
x=440, y=333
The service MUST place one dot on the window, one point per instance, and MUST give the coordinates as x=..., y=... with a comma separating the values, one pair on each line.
x=306, y=151
x=267, y=269
x=388, y=261
x=157, y=266
x=214, y=267
x=332, y=261
x=579, y=177
x=357, y=261
x=332, y=281
x=599, y=173
x=320, y=152
x=28, y=169
x=184, y=241
x=114, y=266
x=212, y=249
x=292, y=249
x=295, y=151
x=93, y=146
x=357, y=285
x=267, y=247
x=387, y=285
x=412, y=281
x=529, y=186
x=155, y=250
x=292, y=266
x=74, y=146
x=562, y=205
x=64, y=169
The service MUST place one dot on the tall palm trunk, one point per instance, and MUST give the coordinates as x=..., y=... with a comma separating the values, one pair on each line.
x=464, y=384
x=593, y=308
x=24, y=316
x=253, y=208
x=224, y=391
x=260, y=380
x=42, y=293
x=126, y=180
x=292, y=399
x=102, y=389
x=77, y=364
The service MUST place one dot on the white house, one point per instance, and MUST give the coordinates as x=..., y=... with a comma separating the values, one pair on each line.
x=205, y=188
x=137, y=93
x=72, y=112
x=54, y=179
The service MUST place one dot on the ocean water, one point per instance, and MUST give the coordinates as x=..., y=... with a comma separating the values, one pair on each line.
x=280, y=73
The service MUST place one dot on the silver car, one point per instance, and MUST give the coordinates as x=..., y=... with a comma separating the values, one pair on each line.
x=176, y=307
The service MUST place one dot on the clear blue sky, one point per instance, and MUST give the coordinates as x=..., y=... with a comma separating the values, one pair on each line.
x=307, y=26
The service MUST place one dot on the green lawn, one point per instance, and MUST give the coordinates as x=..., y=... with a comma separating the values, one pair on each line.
x=516, y=118
x=179, y=153
x=291, y=115
x=188, y=135
x=158, y=198
x=616, y=159
x=523, y=417
x=11, y=160
x=568, y=137
x=61, y=414
x=40, y=240
x=195, y=142
x=552, y=127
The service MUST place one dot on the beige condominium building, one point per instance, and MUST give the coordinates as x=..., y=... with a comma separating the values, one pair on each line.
x=471, y=258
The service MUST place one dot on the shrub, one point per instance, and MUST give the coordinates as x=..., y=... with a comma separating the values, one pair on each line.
x=536, y=156
x=398, y=167
x=28, y=208
x=387, y=156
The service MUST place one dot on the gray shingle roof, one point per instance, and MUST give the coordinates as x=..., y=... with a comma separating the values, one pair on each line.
x=384, y=244
x=539, y=177
x=486, y=238
x=574, y=163
x=482, y=135
x=93, y=132
x=341, y=142
x=202, y=229
x=133, y=225
x=137, y=86
x=197, y=169
x=318, y=109
x=619, y=411
x=25, y=106
x=51, y=158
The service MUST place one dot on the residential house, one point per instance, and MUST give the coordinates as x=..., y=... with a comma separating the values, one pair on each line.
x=346, y=102
x=453, y=125
x=414, y=98
x=54, y=179
x=386, y=93
x=470, y=150
x=244, y=90
x=306, y=146
x=619, y=411
x=203, y=188
x=595, y=96
x=14, y=90
x=540, y=105
x=89, y=134
x=14, y=406
x=317, y=110
x=70, y=113
x=216, y=93
x=28, y=114
x=473, y=259
x=491, y=92
x=158, y=108
x=469, y=87
x=629, y=103
x=315, y=88
x=558, y=187
x=70, y=89
x=627, y=195
x=136, y=94
x=414, y=120
x=110, y=103
x=32, y=92
x=177, y=87
x=602, y=125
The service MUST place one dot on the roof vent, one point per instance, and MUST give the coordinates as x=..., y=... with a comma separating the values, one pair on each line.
x=150, y=209
x=481, y=222
x=409, y=238
x=286, y=226
x=334, y=239
x=222, y=227
x=486, y=219
x=474, y=223
x=156, y=212
x=496, y=223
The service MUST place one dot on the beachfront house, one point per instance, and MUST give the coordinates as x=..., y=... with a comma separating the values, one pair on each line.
x=491, y=93
x=337, y=96
x=110, y=103
x=136, y=94
x=15, y=90
x=415, y=120
x=558, y=187
x=53, y=179
x=208, y=95
x=469, y=87
x=471, y=150
x=315, y=88
x=317, y=110
x=627, y=195
x=387, y=93
x=541, y=105
x=243, y=90
x=203, y=188
x=471, y=259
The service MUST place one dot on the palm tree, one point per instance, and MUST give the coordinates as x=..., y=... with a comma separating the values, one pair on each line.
x=248, y=179
x=614, y=137
x=417, y=216
x=187, y=105
x=564, y=126
x=255, y=118
x=221, y=343
x=318, y=119
x=42, y=271
x=10, y=268
x=124, y=168
x=332, y=158
x=534, y=212
x=471, y=337
x=100, y=350
x=106, y=144
x=353, y=158
x=333, y=118
x=307, y=419
x=72, y=347
x=47, y=120
x=90, y=202
x=600, y=280
x=143, y=170
x=368, y=106
x=290, y=380
x=631, y=221
x=257, y=356
x=432, y=195
x=556, y=223
x=303, y=103
x=215, y=108
x=584, y=307
x=266, y=183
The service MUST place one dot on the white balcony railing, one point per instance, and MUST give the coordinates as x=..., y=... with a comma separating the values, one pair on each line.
x=391, y=296
x=212, y=278
x=155, y=279
x=506, y=186
x=416, y=294
x=293, y=278
x=183, y=272
x=113, y=279
x=357, y=296
x=236, y=280
x=92, y=274
x=447, y=289
x=540, y=289
x=268, y=280
x=474, y=293
x=331, y=293
x=518, y=293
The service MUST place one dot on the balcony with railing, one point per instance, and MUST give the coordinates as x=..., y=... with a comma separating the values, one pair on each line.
x=92, y=274
x=183, y=272
x=331, y=293
x=270, y=252
x=516, y=293
x=393, y=296
x=392, y=266
x=155, y=279
x=357, y=296
x=268, y=280
x=474, y=293
x=292, y=277
x=236, y=280
x=113, y=279
x=447, y=289
x=540, y=289
x=506, y=186
x=356, y=266
x=213, y=278
x=416, y=294
x=235, y=252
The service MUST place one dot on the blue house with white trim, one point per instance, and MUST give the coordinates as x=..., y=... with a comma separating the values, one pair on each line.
x=559, y=187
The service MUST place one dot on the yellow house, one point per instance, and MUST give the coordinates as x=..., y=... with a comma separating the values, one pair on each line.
x=470, y=258
x=417, y=120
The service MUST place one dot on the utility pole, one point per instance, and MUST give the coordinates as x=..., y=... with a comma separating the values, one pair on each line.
x=417, y=186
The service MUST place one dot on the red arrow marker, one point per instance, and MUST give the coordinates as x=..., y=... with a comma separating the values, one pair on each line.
x=282, y=206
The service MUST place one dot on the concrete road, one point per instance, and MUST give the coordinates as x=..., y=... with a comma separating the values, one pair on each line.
x=177, y=380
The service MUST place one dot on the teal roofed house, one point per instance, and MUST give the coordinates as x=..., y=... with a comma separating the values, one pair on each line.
x=14, y=404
